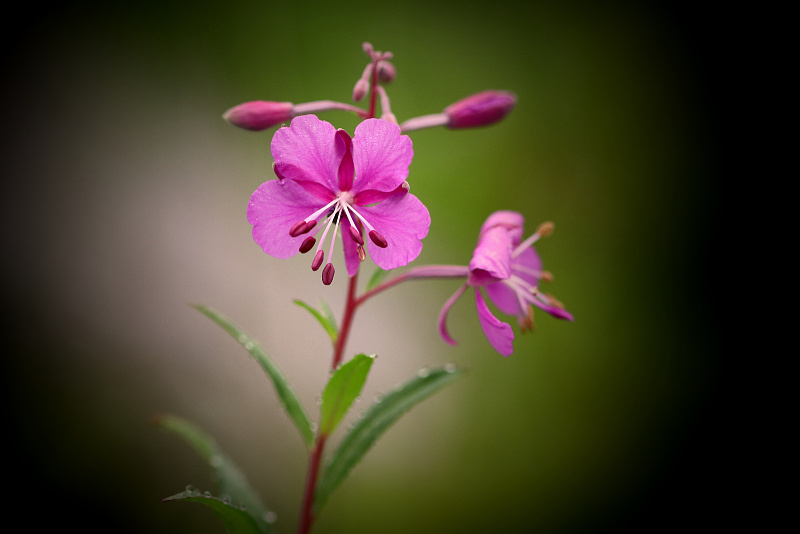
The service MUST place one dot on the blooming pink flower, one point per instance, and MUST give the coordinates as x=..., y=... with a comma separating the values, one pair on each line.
x=358, y=183
x=509, y=270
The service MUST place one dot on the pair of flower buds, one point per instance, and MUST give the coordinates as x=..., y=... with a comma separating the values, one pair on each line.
x=480, y=109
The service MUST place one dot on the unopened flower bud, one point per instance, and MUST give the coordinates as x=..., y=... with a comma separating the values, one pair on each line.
x=360, y=90
x=259, y=115
x=386, y=71
x=480, y=109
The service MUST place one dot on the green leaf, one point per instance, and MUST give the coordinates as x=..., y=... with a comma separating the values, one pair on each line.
x=236, y=520
x=324, y=317
x=341, y=390
x=380, y=416
x=376, y=278
x=285, y=393
x=233, y=485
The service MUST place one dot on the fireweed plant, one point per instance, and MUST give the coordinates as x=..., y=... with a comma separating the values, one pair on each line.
x=331, y=186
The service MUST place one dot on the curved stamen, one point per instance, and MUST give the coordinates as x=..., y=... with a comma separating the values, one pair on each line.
x=327, y=274
x=356, y=235
x=354, y=232
x=307, y=244
x=366, y=223
x=378, y=239
x=306, y=225
x=544, y=230
x=318, y=257
x=537, y=273
x=373, y=234
x=335, y=231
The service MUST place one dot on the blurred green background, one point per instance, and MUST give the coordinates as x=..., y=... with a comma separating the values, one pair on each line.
x=125, y=201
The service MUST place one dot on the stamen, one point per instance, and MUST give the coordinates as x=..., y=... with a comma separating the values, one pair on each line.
x=378, y=239
x=361, y=217
x=318, y=257
x=335, y=231
x=327, y=274
x=544, y=230
x=356, y=235
x=314, y=216
x=362, y=254
x=536, y=273
x=526, y=322
x=307, y=244
x=553, y=301
x=299, y=228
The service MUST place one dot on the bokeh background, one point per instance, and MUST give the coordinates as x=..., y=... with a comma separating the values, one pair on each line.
x=124, y=201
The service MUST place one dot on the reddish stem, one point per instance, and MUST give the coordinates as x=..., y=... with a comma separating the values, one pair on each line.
x=373, y=94
x=314, y=460
x=347, y=321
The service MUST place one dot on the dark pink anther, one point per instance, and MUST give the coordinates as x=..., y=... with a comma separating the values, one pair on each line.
x=378, y=239
x=327, y=274
x=298, y=228
x=307, y=244
x=318, y=257
x=356, y=235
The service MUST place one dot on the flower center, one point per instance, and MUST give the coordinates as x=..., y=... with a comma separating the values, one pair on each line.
x=333, y=210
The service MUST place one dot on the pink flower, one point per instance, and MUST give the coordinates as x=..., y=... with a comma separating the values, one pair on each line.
x=509, y=270
x=358, y=183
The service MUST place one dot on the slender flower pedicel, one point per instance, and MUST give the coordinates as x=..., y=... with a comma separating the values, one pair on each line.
x=327, y=181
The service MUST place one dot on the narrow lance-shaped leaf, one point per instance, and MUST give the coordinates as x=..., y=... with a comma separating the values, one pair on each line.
x=341, y=390
x=285, y=393
x=235, y=519
x=324, y=317
x=380, y=416
x=233, y=485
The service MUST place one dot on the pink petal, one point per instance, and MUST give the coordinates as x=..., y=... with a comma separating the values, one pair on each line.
x=307, y=150
x=403, y=221
x=505, y=298
x=512, y=221
x=491, y=260
x=346, y=170
x=523, y=266
x=381, y=155
x=273, y=209
x=443, y=314
x=350, y=249
x=499, y=334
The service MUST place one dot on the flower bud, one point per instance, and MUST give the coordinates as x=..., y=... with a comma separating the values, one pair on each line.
x=480, y=109
x=259, y=115
x=360, y=90
x=386, y=71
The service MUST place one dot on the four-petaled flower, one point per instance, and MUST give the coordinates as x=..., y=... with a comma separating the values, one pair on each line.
x=358, y=183
x=509, y=270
